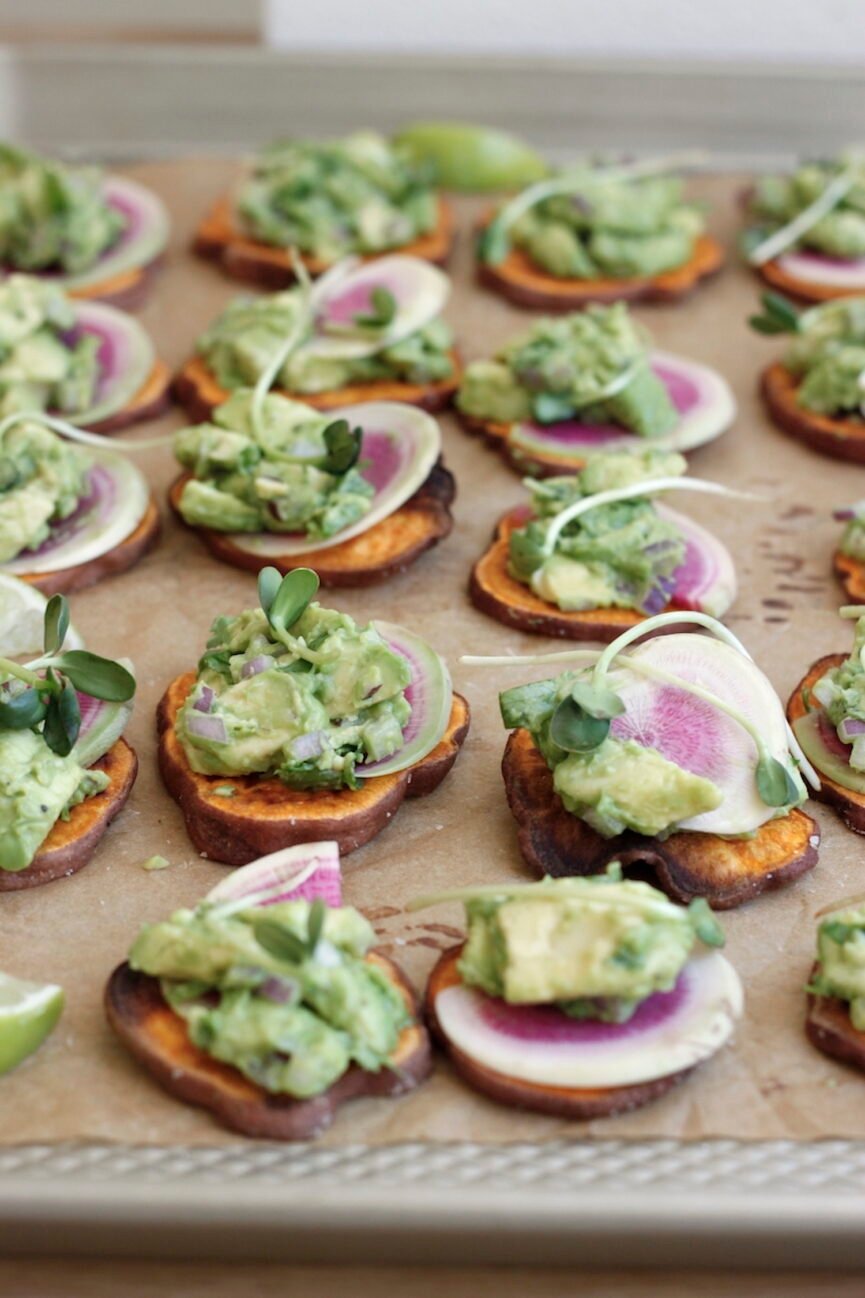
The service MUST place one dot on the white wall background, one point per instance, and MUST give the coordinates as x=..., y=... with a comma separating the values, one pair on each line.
x=809, y=31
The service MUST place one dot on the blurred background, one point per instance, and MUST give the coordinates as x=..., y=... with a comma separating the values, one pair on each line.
x=753, y=81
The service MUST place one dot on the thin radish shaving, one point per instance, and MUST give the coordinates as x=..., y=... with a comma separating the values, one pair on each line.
x=430, y=695
x=300, y=873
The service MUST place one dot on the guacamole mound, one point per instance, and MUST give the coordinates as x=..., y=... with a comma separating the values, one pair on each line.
x=307, y=705
x=775, y=201
x=42, y=479
x=841, y=960
x=619, y=555
x=267, y=477
x=330, y=198
x=841, y=693
x=593, y=365
x=605, y=226
x=241, y=343
x=595, y=947
x=262, y=990
x=44, y=363
x=827, y=355
x=52, y=216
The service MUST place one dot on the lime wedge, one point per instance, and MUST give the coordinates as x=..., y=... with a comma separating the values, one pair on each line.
x=22, y=608
x=473, y=158
x=28, y=1012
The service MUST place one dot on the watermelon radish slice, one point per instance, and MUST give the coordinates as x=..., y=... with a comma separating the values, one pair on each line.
x=431, y=697
x=299, y=873
x=126, y=358
x=702, y=397
x=115, y=504
x=102, y=724
x=419, y=289
x=698, y=736
x=831, y=756
x=141, y=242
x=668, y=1033
x=706, y=581
x=401, y=444
x=818, y=268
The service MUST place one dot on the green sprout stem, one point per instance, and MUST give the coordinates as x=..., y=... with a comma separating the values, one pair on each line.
x=75, y=434
x=292, y=341
x=781, y=239
x=11, y=668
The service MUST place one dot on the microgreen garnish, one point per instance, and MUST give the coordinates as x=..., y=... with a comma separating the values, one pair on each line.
x=342, y=444
x=282, y=942
x=706, y=927
x=779, y=316
x=383, y=306
x=50, y=699
x=284, y=599
x=295, y=337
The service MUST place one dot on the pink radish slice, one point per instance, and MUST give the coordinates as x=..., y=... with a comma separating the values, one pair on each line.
x=706, y=581
x=431, y=697
x=300, y=873
x=701, y=396
x=698, y=736
x=401, y=445
x=669, y=1032
x=115, y=504
x=141, y=241
x=419, y=290
x=126, y=358
x=818, y=268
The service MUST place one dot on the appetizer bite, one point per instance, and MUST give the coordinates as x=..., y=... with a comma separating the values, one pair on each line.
x=299, y=723
x=827, y=713
x=835, y=1022
x=590, y=383
x=323, y=200
x=815, y=392
x=848, y=560
x=96, y=236
x=364, y=332
x=629, y=756
x=72, y=510
x=88, y=362
x=65, y=770
x=598, y=233
x=357, y=496
x=268, y=1004
x=806, y=231
x=581, y=998
x=593, y=553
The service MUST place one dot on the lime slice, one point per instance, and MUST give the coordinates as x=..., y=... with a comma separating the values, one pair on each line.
x=28, y=1012
x=473, y=158
x=22, y=608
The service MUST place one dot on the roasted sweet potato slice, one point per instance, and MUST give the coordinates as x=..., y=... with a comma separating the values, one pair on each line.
x=126, y=290
x=119, y=559
x=842, y=439
x=494, y=591
x=829, y=1028
x=264, y=815
x=72, y=842
x=727, y=872
x=388, y=548
x=521, y=281
x=806, y=290
x=219, y=238
x=150, y=400
x=851, y=574
x=197, y=390
x=849, y=804
x=157, y=1037
x=557, y=1101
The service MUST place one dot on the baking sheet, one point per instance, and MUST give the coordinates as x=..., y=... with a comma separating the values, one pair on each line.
x=770, y=1083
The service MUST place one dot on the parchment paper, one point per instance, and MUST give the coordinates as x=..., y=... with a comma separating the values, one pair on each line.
x=770, y=1082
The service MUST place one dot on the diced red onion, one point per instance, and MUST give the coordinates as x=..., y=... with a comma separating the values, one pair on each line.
x=850, y=729
x=307, y=746
x=257, y=665
x=375, y=689
x=204, y=702
x=843, y=515
x=282, y=991
x=210, y=728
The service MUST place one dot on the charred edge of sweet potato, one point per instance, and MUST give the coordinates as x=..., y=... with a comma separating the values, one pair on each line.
x=121, y=558
x=386, y=549
x=522, y=282
x=126, y=290
x=196, y=389
x=71, y=843
x=494, y=591
x=849, y=805
x=264, y=815
x=803, y=289
x=851, y=573
x=150, y=401
x=158, y=1039
x=828, y=1026
x=841, y=439
x=576, y=1104
x=727, y=872
x=219, y=239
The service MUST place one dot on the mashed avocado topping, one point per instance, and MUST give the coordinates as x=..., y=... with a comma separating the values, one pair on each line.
x=839, y=228
x=42, y=479
x=43, y=761
x=591, y=222
x=333, y=197
x=284, y=993
x=291, y=470
x=619, y=555
x=593, y=365
x=841, y=960
x=243, y=342
x=827, y=351
x=841, y=693
x=45, y=364
x=52, y=217
x=306, y=695
x=852, y=542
